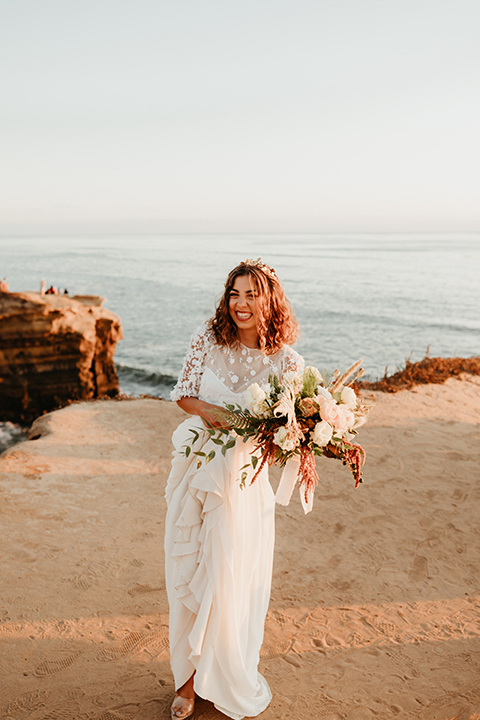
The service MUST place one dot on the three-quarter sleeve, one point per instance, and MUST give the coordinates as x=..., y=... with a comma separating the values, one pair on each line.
x=188, y=383
x=292, y=361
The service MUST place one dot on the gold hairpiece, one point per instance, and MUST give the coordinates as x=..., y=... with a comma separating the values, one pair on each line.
x=261, y=266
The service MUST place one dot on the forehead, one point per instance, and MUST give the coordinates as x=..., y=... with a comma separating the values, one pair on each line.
x=243, y=283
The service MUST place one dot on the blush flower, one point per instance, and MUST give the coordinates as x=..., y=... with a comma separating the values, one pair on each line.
x=329, y=411
x=323, y=394
x=345, y=418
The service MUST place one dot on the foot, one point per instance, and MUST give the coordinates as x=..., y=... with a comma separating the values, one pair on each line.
x=182, y=707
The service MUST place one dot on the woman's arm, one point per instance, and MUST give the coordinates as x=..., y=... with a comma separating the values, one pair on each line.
x=194, y=406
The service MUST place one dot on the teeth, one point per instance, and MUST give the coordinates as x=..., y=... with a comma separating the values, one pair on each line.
x=244, y=316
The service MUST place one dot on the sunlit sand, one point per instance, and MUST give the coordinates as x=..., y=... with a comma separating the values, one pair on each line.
x=375, y=599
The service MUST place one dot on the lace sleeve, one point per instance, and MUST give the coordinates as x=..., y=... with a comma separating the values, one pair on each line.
x=188, y=383
x=292, y=361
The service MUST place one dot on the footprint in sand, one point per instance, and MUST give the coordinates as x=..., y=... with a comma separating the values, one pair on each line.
x=61, y=713
x=11, y=629
x=419, y=571
x=142, y=590
x=29, y=702
x=133, y=642
x=120, y=712
x=49, y=667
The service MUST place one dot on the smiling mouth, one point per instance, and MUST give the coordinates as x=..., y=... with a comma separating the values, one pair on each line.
x=243, y=316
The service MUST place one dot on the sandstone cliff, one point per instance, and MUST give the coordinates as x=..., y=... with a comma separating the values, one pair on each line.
x=53, y=349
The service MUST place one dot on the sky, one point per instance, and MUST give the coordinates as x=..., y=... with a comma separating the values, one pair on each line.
x=239, y=115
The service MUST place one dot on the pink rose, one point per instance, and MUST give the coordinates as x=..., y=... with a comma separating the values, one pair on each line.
x=346, y=418
x=329, y=411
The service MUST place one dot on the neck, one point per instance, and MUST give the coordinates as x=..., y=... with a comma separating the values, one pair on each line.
x=249, y=338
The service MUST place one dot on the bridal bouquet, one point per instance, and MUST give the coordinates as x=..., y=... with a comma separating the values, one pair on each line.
x=301, y=415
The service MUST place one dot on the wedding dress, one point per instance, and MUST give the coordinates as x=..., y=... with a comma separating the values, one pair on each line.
x=219, y=537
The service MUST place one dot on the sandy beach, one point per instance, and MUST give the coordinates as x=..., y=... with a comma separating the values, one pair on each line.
x=376, y=593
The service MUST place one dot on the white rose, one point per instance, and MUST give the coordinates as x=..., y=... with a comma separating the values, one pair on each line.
x=349, y=398
x=267, y=389
x=322, y=433
x=254, y=398
x=283, y=439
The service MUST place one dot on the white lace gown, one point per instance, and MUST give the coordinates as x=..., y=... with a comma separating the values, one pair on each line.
x=219, y=538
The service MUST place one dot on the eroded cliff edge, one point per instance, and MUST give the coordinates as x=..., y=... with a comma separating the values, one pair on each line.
x=54, y=348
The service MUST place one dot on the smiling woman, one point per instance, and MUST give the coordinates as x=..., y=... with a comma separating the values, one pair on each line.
x=219, y=537
x=243, y=310
x=253, y=288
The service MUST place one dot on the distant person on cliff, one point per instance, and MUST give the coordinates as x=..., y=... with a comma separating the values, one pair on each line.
x=4, y=285
x=65, y=292
x=42, y=287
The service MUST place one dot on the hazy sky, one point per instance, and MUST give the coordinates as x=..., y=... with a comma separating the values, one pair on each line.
x=212, y=115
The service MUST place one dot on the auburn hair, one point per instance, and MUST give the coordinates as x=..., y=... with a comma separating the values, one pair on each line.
x=277, y=325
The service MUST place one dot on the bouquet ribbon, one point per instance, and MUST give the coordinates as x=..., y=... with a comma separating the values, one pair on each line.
x=287, y=485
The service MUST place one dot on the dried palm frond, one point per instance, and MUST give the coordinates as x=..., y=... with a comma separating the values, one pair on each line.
x=345, y=376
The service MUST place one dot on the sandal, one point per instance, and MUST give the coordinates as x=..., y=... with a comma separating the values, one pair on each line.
x=182, y=708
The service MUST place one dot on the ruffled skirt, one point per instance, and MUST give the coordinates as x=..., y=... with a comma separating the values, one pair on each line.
x=219, y=542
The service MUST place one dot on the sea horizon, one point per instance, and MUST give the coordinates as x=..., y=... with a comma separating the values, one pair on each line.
x=385, y=297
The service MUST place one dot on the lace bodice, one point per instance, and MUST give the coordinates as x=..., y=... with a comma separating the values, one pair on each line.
x=234, y=368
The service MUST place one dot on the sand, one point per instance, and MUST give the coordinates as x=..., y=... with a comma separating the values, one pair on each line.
x=376, y=593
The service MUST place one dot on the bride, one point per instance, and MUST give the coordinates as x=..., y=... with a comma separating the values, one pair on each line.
x=219, y=536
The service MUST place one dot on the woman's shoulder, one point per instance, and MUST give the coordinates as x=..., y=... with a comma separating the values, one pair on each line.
x=202, y=335
x=291, y=359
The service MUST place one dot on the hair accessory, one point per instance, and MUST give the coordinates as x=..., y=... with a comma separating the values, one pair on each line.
x=261, y=266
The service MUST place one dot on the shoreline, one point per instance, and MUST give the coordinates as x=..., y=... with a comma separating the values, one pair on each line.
x=429, y=371
x=375, y=594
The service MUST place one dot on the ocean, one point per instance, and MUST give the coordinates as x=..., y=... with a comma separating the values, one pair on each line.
x=383, y=297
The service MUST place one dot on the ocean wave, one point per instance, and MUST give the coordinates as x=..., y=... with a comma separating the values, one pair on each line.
x=11, y=434
x=137, y=381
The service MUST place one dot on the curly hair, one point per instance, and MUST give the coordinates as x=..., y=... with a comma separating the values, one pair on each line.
x=277, y=325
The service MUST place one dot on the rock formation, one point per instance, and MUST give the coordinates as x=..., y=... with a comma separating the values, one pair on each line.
x=53, y=349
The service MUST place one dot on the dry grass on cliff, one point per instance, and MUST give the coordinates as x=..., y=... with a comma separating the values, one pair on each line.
x=428, y=370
